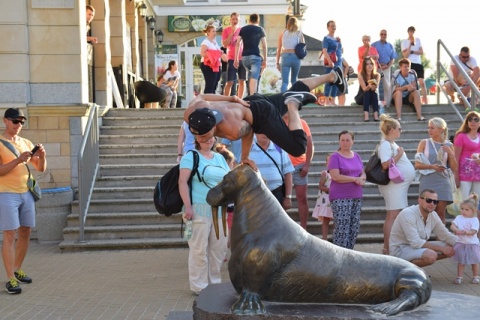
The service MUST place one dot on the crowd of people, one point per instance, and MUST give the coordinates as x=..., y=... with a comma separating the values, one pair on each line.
x=267, y=133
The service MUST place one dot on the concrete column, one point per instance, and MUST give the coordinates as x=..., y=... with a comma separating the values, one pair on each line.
x=102, y=57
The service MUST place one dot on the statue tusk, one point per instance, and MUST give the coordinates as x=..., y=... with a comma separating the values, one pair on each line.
x=215, y=221
x=224, y=220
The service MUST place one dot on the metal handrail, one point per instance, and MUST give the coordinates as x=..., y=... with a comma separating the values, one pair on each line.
x=88, y=164
x=474, y=90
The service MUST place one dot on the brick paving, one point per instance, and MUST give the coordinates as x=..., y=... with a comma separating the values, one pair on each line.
x=133, y=284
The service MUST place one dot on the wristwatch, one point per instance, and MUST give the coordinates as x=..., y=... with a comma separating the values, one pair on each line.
x=411, y=51
x=289, y=196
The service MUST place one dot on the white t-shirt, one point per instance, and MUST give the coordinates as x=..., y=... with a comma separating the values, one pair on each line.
x=414, y=58
x=472, y=63
x=466, y=224
x=169, y=76
x=210, y=45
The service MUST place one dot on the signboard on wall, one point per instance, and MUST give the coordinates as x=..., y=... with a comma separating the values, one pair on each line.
x=190, y=23
x=271, y=78
x=165, y=54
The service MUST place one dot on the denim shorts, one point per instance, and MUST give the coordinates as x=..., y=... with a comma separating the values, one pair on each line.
x=253, y=64
x=16, y=209
x=297, y=179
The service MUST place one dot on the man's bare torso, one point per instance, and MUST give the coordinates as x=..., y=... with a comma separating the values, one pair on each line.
x=236, y=118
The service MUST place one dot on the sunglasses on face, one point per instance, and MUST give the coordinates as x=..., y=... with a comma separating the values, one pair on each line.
x=469, y=120
x=22, y=122
x=428, y=200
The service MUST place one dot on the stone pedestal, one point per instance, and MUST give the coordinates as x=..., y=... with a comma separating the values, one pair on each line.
x=52, y=212
x=215, y=301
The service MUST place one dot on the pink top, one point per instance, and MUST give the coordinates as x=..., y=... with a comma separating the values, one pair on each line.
x=361, y=51
x=468, y=170
x=231, y=47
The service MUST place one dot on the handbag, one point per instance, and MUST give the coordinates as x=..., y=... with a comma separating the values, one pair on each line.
x=394, y=174
x=333, y=57
x=32, y=184
x=300, y=48
x=374, y=171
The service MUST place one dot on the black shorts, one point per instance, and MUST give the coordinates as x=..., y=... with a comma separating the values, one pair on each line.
x=232, y=72
x=418, y=69
x=267, y=113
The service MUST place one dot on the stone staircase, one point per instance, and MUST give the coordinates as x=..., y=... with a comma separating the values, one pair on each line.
x=137, y=146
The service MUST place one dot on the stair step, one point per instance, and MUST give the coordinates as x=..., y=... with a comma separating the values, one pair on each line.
x=138, y=146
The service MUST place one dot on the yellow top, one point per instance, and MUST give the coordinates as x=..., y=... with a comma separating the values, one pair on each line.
x=16, y=180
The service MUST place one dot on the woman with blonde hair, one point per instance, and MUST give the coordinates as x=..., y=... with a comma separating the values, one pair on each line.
x=467, y=153
x=433, y=157
x=395, y=194
x=290, y=64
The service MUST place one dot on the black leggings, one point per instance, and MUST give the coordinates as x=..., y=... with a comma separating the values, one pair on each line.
x=211, y=78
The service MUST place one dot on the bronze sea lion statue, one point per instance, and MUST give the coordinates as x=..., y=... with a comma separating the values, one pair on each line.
x=275, y=259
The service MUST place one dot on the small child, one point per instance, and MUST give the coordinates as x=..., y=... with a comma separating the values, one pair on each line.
x=323, y=210
x=467, y=247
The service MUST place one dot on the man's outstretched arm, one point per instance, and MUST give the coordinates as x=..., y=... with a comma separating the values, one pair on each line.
x=220, y=97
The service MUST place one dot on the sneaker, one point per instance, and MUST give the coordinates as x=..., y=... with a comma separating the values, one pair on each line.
x=476, y=280
x=340, y=82
x=458, y=280
x=301, y=98
x=13, y=287
x=22, y=277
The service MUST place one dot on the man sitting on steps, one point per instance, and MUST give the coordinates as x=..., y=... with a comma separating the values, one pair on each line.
x=230, y=117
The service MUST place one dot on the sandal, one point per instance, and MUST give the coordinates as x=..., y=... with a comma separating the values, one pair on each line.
x=458, y=280
x=422, y=119
x=476, y=280
x=385, y=251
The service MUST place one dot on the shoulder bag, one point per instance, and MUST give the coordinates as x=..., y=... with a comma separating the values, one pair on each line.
x=32, y=184
x=374, y=171
x=282, y=187
x=300, y=48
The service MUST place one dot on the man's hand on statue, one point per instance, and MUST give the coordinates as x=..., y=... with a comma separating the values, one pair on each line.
x=251, y=163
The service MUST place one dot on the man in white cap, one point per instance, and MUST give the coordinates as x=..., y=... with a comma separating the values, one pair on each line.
x=17, y=205
x=230, y=117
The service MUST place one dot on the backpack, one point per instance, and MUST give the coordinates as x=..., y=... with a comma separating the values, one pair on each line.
x=166, y=195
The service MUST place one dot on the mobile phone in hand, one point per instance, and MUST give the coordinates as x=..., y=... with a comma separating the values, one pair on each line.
x=35, y=149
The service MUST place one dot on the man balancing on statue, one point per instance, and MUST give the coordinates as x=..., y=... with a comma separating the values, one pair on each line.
x=230, y=117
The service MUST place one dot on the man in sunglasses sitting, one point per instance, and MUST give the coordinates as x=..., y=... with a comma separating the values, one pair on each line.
x=469, y=65
x=411, y=231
